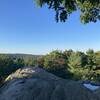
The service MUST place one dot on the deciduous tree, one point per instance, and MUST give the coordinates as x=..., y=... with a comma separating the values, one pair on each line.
x=89, y=9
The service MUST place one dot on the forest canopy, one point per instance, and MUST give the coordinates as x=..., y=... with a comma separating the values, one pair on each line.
x=89, y=9
x=68, y=64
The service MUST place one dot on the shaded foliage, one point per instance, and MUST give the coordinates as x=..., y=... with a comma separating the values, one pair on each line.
x=89, y=9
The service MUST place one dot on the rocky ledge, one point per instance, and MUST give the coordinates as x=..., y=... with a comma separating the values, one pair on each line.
x=35, y=83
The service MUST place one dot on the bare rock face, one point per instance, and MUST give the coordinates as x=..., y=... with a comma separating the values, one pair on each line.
x=36, y=84
x=97, y=92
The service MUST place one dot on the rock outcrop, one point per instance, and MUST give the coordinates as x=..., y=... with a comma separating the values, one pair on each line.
x=97, y=93
x=36, y=84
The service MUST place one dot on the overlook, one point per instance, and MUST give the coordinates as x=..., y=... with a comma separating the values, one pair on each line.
x=49, y=49
x=35, y=84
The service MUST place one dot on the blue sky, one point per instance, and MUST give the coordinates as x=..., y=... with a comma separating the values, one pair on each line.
x=25, y=28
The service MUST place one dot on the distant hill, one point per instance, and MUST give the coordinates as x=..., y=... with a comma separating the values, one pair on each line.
x=23, y=56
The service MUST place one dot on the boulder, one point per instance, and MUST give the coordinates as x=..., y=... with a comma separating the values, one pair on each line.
x=97, y=92
x=36, y=84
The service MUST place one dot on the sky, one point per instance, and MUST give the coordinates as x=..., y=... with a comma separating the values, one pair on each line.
x=26, y=28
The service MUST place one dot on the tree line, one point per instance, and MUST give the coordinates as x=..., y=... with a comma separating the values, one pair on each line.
x=9, y=63
x=73, y=65
x=67, y=64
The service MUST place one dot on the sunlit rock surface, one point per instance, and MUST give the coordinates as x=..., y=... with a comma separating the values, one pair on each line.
x=36, y=84
x=91, y=87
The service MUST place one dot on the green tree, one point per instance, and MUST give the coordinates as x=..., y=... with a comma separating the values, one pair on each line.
x=30, y=61
x=18, y=62
x=56, y=63
x=77, y=63
x=89, y=9
x=68, y=53
x=97, y=58
x=91, y=58
x=40, y=61
x=6, y=66
x=78, y=59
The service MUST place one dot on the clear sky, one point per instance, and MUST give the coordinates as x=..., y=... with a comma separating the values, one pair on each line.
x=25, y=28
